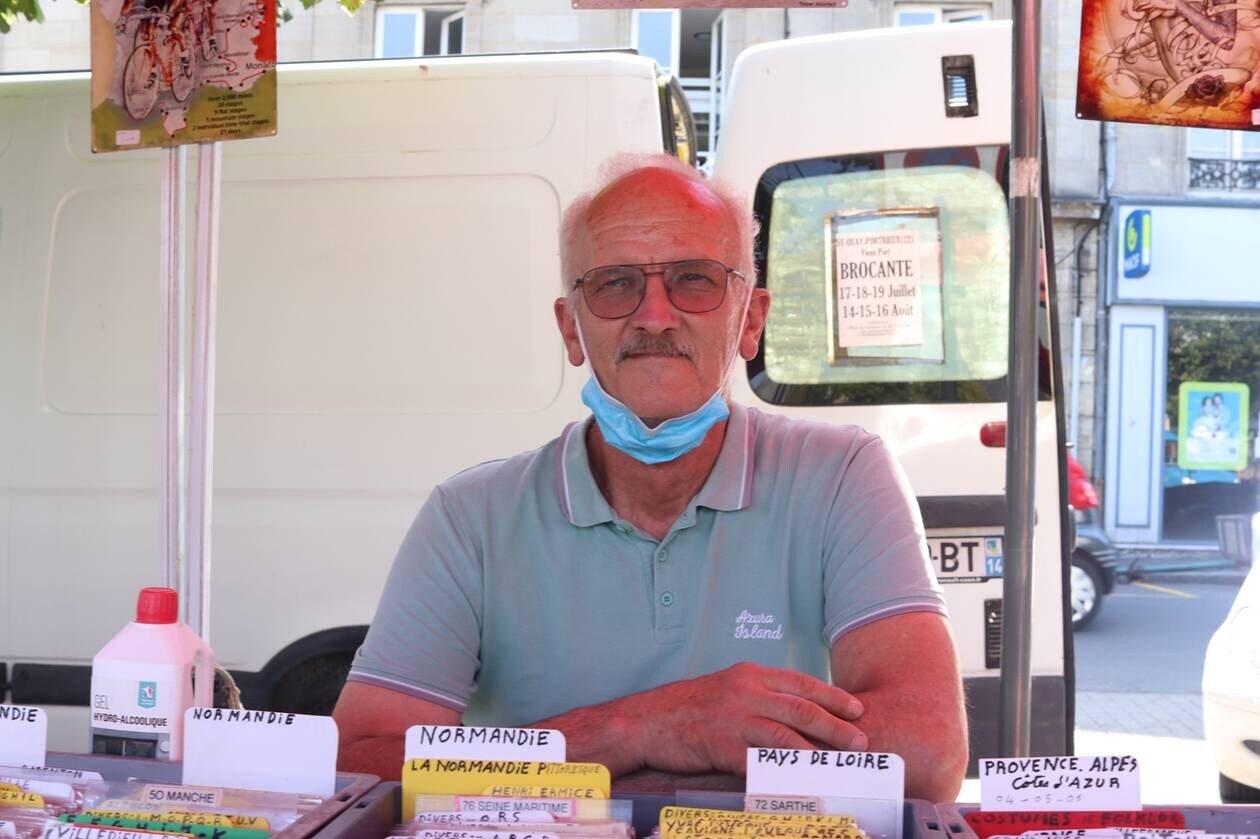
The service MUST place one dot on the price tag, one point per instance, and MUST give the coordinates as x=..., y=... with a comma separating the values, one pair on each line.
x=1060, y=783
x=870, y=786
x=23, y=735
x=473, y=742
x=260, y=750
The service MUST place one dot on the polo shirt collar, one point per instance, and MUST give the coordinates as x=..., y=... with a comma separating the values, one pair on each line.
x=729, y=485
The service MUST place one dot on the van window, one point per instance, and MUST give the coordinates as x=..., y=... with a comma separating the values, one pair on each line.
x=889, y=275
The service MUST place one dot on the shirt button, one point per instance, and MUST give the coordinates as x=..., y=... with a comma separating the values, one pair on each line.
x=662, y=555
x=667, y=599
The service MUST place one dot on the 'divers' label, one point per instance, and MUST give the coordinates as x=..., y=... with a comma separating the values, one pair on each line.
x=132, y=704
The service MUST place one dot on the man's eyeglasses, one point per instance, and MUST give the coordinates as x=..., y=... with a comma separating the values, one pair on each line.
x=692, y=285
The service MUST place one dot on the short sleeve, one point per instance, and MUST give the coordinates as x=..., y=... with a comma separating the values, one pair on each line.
x=425, y=640
x=876, y=562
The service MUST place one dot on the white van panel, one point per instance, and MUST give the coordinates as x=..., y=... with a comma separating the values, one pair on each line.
x=357, y=248
x=830, y=112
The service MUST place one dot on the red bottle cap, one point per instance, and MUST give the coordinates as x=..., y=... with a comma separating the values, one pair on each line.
x=157, y=605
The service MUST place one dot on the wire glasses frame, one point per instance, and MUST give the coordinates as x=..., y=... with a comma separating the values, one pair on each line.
x=695, y=286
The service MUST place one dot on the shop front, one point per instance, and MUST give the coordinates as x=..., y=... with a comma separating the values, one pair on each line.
x=1183, y=369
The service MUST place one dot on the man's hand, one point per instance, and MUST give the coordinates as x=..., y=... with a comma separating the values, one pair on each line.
x=707, y=724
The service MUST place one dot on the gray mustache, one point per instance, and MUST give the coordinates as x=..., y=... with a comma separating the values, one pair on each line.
x=644, y=344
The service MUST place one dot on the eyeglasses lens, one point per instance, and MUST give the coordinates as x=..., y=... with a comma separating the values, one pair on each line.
x=694, y=286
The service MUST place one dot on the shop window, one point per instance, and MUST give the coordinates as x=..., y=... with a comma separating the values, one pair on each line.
x=1210, y=455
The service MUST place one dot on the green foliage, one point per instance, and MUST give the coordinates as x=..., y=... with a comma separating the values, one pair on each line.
x=11, y=10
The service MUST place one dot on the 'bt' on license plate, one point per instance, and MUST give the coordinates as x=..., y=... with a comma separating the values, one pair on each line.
x=966, y=559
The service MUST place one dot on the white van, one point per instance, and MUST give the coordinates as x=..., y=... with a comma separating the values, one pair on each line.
x=387, y=270
x=388, y=266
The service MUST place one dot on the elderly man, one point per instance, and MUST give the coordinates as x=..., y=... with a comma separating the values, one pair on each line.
x=679, y=577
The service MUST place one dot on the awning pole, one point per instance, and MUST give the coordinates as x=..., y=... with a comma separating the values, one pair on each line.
x=1021, y=406
x=201, y=395
x=172, y=500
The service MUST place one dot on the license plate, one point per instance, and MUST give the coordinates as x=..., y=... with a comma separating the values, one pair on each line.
x=966, y=559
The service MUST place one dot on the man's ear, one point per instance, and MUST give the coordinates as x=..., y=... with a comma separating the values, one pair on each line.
x=567, y=323
x=758, y=311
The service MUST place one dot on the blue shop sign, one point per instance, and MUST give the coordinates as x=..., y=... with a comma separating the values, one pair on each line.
x=1137, y=244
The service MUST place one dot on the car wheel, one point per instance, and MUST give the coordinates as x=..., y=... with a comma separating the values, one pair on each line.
x=1087, y=592
x=1233, y=792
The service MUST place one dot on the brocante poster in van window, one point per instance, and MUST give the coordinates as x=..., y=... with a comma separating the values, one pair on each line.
x=168, y=72
x=884, y=289
x=1171, y=62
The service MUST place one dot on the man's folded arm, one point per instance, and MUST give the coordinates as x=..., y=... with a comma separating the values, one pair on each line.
x=904, y=669
x=690, y=726
x=372, y=721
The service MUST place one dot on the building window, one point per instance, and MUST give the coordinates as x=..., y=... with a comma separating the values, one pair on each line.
x=1223, y=160
x=409, y=31
x=656, y=33
x=923, y=14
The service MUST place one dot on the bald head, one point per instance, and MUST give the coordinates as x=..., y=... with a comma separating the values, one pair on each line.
x=648, y=206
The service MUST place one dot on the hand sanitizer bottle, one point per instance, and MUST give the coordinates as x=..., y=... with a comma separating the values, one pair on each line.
x=144, y=680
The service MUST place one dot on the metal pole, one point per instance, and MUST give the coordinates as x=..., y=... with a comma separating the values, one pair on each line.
x=1021, y=417
x=171, y=498
x=201, y=395
x=1074, y=416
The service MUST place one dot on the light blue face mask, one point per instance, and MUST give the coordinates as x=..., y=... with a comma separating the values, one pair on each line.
x=624, y=431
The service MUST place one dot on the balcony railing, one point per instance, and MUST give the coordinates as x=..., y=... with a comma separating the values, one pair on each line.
x=1228, y=175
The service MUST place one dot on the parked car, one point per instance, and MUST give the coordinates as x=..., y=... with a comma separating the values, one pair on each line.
x=1231, y=692
x=1093, y=556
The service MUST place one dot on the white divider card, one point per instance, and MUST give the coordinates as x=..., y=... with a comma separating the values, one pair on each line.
x=260, y=750
x=8, y=830
x=1060, y=783
x=23, y=736
x=473, y=742
x=870, y=786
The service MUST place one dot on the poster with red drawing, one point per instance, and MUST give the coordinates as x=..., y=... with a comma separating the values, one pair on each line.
x=168, y=72
x=1171, y=62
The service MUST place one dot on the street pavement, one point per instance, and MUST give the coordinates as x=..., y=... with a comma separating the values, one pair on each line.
x=1139, y=668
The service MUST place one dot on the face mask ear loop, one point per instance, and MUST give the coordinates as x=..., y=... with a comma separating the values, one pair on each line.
x=743, y=320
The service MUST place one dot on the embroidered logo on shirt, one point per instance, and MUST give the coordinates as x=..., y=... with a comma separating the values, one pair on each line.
x=760, y=626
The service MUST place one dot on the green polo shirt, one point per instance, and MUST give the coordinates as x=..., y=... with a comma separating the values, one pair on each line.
x=519, y=594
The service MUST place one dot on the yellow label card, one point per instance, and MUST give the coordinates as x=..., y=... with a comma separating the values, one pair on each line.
x=220, y=819
x=433, y=776
x=9, y=787
x=9, y=798
x=693, y=822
